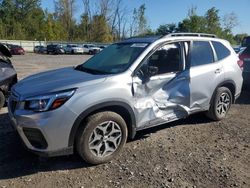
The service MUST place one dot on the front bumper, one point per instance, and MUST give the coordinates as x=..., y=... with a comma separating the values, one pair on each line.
x=45, y=133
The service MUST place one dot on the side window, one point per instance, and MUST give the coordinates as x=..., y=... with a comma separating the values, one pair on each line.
x=221, y=51
x=201, y=53
x=167, y=58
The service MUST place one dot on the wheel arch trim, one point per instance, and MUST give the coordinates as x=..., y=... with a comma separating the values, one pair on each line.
x=86, y=113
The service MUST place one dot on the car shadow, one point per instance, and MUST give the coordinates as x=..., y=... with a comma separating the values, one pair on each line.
x=194, y=119
x=16, y=161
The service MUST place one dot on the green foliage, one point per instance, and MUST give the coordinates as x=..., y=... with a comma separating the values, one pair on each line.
x=166, y=29
x=212, y=21
x=193, y=24
x=25, y=19
x=100, y=31
x=209, y=23
x=239, y=37
x=142, y=21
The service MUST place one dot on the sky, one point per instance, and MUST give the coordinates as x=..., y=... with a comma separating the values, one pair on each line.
x=173, y=11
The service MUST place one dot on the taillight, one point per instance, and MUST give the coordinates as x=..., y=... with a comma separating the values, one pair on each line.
x=241, y=64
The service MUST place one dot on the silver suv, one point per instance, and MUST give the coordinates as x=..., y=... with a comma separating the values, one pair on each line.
x=131, y=85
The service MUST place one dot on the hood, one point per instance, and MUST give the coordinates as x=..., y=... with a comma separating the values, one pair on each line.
x=5, y=51
x=55, y=80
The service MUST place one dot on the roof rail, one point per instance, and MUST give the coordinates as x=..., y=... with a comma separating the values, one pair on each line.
x=190, y=35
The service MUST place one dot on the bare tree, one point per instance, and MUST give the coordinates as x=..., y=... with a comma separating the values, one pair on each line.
x=230, y=21
x=105, y=8
x=133, y=28
x=64, y=10
x=87, y=10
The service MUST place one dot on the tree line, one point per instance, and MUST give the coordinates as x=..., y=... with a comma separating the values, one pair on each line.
x=100, y=21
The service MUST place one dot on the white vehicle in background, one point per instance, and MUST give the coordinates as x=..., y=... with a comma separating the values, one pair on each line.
x=91, y=49
x=73, y=49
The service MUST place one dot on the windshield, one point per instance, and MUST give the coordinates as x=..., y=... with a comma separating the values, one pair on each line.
x=114, y=59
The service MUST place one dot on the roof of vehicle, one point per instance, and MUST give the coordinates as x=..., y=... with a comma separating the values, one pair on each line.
x=16, y=46
x=151, y=39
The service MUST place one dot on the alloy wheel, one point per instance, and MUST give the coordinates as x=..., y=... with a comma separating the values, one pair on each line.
x=223, y=104
x=105, y=139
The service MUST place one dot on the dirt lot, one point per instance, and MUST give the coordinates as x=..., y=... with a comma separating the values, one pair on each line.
x=194, y=152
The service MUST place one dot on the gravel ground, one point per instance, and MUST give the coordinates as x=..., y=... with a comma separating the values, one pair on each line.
x=194, y=152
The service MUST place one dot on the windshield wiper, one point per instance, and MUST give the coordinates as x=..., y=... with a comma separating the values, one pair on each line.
x=91, y=71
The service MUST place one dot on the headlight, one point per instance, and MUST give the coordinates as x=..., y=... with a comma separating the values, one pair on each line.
x=48, y=102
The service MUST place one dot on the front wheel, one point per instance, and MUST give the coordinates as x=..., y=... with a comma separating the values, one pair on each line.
x=102, y=137
x=220, y=104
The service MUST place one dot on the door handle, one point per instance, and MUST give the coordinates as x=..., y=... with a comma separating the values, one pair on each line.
x=217, y=71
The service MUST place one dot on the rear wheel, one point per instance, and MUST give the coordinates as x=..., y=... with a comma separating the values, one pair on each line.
x=220, y=104
x=102, y=137
x=2, y=99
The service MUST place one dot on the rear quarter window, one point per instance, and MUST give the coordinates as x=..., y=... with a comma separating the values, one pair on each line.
x=221, y=51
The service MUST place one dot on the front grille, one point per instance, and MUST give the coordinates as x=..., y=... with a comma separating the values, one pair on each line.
x=35, y=138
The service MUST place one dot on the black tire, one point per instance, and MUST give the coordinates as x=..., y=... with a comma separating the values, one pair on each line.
x=2, y=99
x=89, y=131
x=72, y=51
x=220, y=104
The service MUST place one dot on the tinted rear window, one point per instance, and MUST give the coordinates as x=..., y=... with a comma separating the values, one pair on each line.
x=246, y=51
x=201, y=53
x=221, y=51
x=246, y=42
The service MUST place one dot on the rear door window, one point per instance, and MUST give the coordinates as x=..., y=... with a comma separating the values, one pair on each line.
x=201, y=53
x=221, y=51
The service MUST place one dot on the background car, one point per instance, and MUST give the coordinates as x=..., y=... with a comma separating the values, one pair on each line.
x=8, y=76
x=236, y=49
x=92, y=49
x=245, y=57
x=40, y=49
x=73, y=49
x=55, y=49
x=15, y=49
